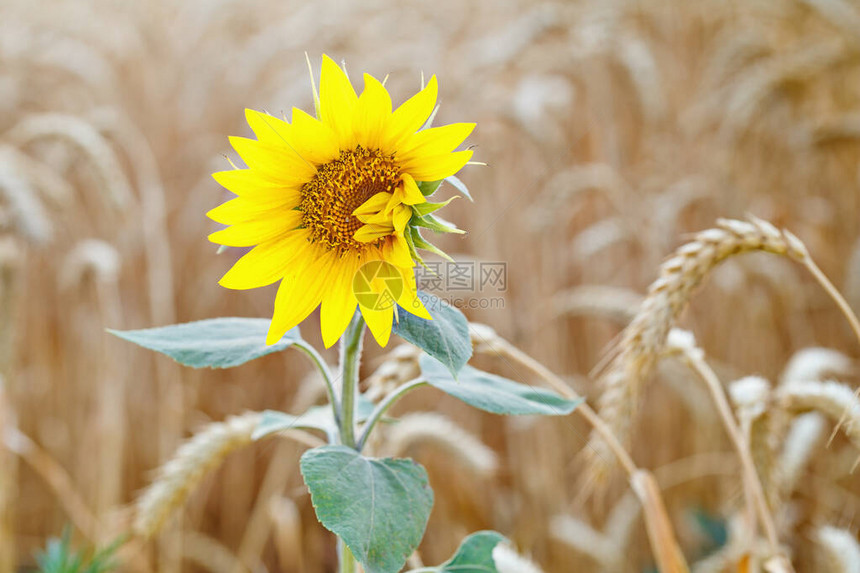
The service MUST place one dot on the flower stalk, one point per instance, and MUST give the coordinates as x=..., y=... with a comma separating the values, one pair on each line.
x=350, y=359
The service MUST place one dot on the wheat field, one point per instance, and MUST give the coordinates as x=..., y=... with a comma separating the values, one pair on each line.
x=613, y=133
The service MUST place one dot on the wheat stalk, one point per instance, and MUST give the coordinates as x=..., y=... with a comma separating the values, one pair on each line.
x=755, y=392
x=661, y=536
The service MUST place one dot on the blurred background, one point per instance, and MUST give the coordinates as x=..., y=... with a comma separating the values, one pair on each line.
x=611, y=131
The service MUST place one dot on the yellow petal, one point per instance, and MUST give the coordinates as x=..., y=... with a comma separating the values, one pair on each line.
x=373, y=205
x=271, y=161
x=299, y=294
x=245, y=182
x=409, y=117
x=314, y=140
x=437, y=167
x=250, y=233
x=372, y=113
x=409, y=300
x=339, y=302
x=267, y=262
x=268, y=128
x=337, y=102
x=412, y=195
x=369, y=233
x=402, y=214
x=381, y=219
x=243, y=209
x=434, y=141
x=396, y=251
x=379, y=322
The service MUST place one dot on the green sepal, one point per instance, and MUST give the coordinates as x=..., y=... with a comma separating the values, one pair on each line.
x=427, y=207
x=460, y=186
x=429, y=123
x=413, y=249
x=427, y=188
x=435, y=224
x=421, y=243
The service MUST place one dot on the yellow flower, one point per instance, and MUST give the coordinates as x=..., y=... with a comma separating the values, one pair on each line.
x=323, y=196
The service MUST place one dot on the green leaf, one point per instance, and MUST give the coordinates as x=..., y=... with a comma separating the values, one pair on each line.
x=493, y=393
x=315, y=418
x=427, y=188
x=379, y=507
x=445, y=338
x=475, y=555
x=461, y=187
x=213, y=343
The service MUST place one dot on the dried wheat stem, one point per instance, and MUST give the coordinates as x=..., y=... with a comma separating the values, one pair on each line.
x=660, y=532
x=505, y=349
x=287, y=533
x=8, y=486
x=56, y=477
x=666, y=552
x=259, y=524
x=209, y=553
x=695, y=358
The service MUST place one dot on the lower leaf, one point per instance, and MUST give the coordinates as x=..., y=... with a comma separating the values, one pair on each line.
x=379, y=507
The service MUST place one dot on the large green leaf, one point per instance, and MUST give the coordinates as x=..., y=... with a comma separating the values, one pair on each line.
x=493, y=393
x=213, y=343
x=475, y=555
x=379, y=507
x=315, y=418
x=445, y=338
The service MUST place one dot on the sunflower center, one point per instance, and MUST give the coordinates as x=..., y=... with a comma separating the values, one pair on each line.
x=339, y=188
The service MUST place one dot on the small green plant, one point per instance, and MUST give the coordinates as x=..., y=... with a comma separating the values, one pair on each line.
x=60, y=557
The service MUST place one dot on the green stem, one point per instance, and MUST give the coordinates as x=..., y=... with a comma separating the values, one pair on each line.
x=347, y=561
x=350, y=358
x=383, y=406
x=318, y=361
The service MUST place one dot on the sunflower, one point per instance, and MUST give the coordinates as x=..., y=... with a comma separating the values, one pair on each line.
x=324, y=196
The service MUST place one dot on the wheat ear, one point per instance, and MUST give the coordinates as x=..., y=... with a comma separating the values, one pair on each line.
x=192, y=461
x=644, y=339
x=835, y=400
x=509, y=561
x=841, y=549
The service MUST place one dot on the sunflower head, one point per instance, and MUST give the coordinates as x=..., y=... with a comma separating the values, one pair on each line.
x=324, y=196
